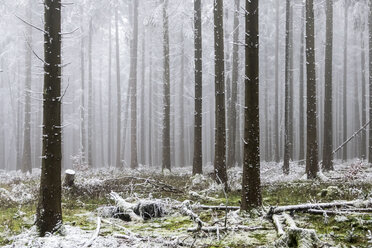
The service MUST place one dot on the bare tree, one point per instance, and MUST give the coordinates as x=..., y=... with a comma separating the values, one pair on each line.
x=220, y=136
x=251, y=188
x=166, y=79
x=49, y=210
x=198, y=153
x=312, y=142
x=133, y=88
x=328, y=113
x=26, y=159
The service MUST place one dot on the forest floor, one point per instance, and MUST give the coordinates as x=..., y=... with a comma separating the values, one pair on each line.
x=81, y=204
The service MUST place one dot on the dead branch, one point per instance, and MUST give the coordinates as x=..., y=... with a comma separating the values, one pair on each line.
x=216, y=208
x=213, y=229
x=186, y=210
x=278, y=225
x=304, y=207
x=330, y=212
x=95, y=234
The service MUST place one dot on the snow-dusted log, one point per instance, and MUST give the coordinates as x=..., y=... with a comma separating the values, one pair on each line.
x=216, y=208
x=301, y=238
x=125, y=207
x=278, y=225
x=335, y=212
x=213, y=229
x=305, y=207
x=69, y=178
x=289, y=220
x=186, y=210
x=95, y=234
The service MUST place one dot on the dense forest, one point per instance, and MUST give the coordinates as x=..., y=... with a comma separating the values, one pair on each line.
x=170, y=123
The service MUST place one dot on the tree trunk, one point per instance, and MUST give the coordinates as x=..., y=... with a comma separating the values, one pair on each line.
x=312, y=143
x=109, y=96
x=49, y=210
x=276, y=115
x=288, y=100
x=166, y=101
x=346, y=17
x=182, y=103
x=328, y=112
x=118, y=92
x=251, y=190
x=220, y=137
x=198, y=153
x=133, y=86
x=26, y=158
x=82, y=107
x=370, y=84
x=364, y=93
x=143, y=92
x=90, y=96
x=302, y=90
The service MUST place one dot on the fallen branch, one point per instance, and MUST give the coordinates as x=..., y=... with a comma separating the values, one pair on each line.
x=216, y=208
x=186, y=210
x=304, y=207
x=330, y=212
x=278, y=225
x=214, y=229
x=95, y=234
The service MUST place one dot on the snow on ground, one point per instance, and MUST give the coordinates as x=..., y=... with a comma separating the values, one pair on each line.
x=19, y=188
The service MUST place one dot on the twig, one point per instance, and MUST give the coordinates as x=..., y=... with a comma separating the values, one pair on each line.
x=42, y=30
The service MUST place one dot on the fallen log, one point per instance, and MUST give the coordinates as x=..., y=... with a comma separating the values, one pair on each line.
x=330, y=212
x=304, y=207
x=216, y=208
x=278, y=225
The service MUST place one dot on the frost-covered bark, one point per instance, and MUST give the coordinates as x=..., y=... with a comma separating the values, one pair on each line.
x=198, y=149
x=312, y=143
x=251, y=188
x=49, y=211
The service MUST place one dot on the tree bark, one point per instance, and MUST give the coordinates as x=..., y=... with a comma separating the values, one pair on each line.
x=302, y=90
x=328, y=100
x=251, y=189
x=90, y=96
x=109, y=96
x=370, y=84
x=49, y=210
x=133, y=86
x=276, y=115
x=198, y=115
x=312, y=143
x=345, y=126
x=220, y=116
x=26, y=158
x=118, y=93
x=166, y=101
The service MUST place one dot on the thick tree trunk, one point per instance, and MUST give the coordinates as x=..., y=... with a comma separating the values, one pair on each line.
x=328, y=100
x=251, y=188
x=133, y=88
x=220, y=116
x=166, y=101
x=370, y=84
x=312, y=143
x=49, y=210
x=26, y=158
x=118, y=93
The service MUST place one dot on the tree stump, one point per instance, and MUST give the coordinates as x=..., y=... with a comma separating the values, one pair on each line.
x=69, y=178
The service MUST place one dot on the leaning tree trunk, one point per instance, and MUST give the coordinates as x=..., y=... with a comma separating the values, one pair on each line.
x=251, y=188
x=26, y=158
x=166, y=79
x=133, y=90
x=198, y=153
x=220, y=137
x=49, y=210
x=328, y=113
x=312, y=143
